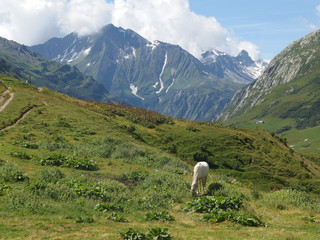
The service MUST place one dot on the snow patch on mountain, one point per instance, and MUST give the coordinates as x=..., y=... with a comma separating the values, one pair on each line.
x=134, y=90
x=153, y=45
x=160, y=76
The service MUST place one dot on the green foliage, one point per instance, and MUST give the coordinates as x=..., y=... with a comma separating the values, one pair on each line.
x=208, y=204
x=135, y=175
x=24, y=202
x=311, y=219
x=11, y=173
x=106, y=207
x=74, y=162
x=21, y=155
x=159, y=234
x=3, y=188
x=285, y=198
x=218, y=216
x=116, y=217
x=51, y=175
x=213, y=188
x=27, y=144
x=161, y=189
x=85, y=220
x=153, y=233
x=131, y=234
x=158, y=216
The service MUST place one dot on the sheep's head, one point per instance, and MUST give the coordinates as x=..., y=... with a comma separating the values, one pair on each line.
x=194, y=186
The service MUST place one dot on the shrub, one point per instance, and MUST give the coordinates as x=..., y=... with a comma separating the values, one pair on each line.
x=158, y=216
x=53, y=160
x=21, y=155
x=135, y=175
x=85, y=220
x=217, y=216
x=74, y=162
x=131, y=234
x=161, y=189
x=105, y=207
x=116, y=217
x=159, y=234
x=11, y=173
x=3, y=188
x=51, y=176
x=213, y=187
x=27, y=145
x=208, y=204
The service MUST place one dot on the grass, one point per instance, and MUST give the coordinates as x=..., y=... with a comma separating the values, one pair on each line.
x=144, y=170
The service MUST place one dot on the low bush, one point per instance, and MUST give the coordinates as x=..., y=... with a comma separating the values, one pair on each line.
x=3, y=188
x=208, y=204
x=74, y=162
x=161, y=189
x=159, y=234
x=27, y=145
x=131, y=234
x=51, y=175
x=116, y=217
x=158, y=216
x=11, y=173
x=135, y=175
x=105, y=207
x=85, y=220
x=21, y=155
x=153, y=233
x=217, y=216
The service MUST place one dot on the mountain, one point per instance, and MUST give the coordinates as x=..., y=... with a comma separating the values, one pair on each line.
x=18, y=61
x=151, y=75
x=240, y=69
x=286, y=96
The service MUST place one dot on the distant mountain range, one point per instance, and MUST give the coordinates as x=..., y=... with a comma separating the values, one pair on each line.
x=18, y=61
x=155, y=75
x=286, y=97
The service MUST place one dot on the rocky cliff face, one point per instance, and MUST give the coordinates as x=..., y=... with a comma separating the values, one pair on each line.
x=152, y=75
x=296, y=61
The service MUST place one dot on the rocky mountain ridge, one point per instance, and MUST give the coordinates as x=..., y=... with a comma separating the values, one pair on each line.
x=152, y=75
x=296, y=61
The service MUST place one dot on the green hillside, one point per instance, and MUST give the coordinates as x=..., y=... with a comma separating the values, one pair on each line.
x=77, y=169
x=291, y=111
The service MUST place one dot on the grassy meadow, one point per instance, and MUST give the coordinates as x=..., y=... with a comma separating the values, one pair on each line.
x=72, y=169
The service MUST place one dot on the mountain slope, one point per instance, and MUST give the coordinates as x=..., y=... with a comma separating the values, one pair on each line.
x=59, y=122
x=151, y=75
x=93, y=170
x=240, y=69
x=18, y=61
x=286, y=96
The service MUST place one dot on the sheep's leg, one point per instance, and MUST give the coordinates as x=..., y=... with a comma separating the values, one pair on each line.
x=204, y=181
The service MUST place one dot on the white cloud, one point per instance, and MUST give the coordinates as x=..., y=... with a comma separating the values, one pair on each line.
x=35, y=21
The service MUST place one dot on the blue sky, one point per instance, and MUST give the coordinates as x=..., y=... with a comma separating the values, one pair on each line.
x=263, y=28
x=271, y=25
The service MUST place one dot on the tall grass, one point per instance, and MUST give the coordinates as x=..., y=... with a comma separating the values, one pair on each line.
x=291, y=198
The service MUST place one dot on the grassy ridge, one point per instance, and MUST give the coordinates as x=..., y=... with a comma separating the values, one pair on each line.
x=76, y=169
x=291, y=111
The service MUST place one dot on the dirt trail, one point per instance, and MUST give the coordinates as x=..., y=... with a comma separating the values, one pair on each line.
x=20, y=119
x=3, y=106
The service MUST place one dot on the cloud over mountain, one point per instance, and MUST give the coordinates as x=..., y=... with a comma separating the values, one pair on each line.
x=34, y=21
